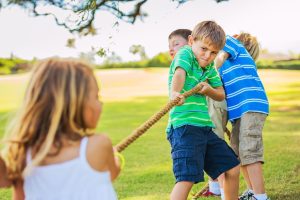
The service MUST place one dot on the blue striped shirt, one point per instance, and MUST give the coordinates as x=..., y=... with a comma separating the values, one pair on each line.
x=243, y=87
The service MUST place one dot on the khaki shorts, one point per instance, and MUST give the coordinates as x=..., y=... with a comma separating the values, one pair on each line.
x=218, y=113
x=246, y=137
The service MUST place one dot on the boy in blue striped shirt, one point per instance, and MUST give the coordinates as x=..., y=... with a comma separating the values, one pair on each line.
x=247, y=106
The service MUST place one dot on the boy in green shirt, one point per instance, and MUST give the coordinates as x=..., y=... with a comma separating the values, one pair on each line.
x=177, y=39
x=194, y=145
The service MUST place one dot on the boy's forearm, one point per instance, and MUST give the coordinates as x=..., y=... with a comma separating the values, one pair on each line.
x=178, y=80
x=216, y=94
x=220, y=59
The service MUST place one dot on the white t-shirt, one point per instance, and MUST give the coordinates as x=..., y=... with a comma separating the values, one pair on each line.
x=71, y=180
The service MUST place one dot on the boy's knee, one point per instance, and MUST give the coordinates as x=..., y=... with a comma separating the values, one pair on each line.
x=233, y=172
x=181, y=190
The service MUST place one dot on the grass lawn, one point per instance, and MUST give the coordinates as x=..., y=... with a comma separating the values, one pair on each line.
x=148, y=171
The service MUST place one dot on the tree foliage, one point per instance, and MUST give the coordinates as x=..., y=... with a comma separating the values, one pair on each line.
x=79, y=15
x=138, y=49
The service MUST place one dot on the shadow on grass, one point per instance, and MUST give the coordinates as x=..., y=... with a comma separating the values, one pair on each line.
x=291, y=109
x=286, y=196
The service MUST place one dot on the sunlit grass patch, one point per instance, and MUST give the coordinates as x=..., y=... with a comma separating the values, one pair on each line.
x=148, y=171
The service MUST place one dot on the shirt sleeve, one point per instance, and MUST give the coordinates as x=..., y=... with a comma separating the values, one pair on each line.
x=183, y=59
x=232, y=47
x=213, y=78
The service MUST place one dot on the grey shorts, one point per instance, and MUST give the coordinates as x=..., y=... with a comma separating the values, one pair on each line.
x=218, y=114
x=246, y=137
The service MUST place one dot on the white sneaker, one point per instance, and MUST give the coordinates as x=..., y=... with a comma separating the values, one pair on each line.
x=247, y=195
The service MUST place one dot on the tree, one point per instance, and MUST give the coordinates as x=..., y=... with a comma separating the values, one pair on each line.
x=162, y=59
x=113, y=58
x=70, y=43
x=81, y=13
x=138, y=49
x=87, y=56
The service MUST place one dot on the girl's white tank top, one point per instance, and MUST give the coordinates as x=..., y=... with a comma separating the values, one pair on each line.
x=71, y=180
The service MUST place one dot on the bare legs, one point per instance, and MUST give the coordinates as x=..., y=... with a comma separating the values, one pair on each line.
x=181, y=190
x=231, y=183
x=231, y=186
x=253, y=175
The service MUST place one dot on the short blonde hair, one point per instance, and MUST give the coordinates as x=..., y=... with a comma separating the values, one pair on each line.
x=210, y=30
x=250, y=43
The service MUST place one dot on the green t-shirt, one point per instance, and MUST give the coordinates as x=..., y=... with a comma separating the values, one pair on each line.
x=194, y=111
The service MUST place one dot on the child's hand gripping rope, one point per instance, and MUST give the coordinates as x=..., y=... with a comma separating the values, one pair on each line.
x=153, y=119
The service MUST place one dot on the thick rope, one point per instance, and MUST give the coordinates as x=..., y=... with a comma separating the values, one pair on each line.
x=200, y=193
x=153, y=119
x=228, y=133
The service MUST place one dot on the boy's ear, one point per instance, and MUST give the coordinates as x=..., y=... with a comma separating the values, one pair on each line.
x=190, y=40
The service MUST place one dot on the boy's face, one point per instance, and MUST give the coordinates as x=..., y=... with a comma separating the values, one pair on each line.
x=175, y=43
x=204, y=51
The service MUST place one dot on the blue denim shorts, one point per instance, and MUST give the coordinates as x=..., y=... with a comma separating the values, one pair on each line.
x=197, y=149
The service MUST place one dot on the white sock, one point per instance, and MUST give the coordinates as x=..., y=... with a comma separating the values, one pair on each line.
x=261, y=196
x=250, y=191
x=222, y=194
x=214, y=187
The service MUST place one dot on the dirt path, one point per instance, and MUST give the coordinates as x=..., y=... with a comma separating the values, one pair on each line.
x=130, y=83
x=116, y=85
x=125, y=84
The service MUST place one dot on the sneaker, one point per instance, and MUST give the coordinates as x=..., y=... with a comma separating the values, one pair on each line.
x=253, y=198
x=247, y=195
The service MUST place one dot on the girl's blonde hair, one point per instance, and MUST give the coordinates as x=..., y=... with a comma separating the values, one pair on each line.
x=250, y=43
x=52, y=108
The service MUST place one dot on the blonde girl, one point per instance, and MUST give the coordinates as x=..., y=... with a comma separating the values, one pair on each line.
x=52, y=149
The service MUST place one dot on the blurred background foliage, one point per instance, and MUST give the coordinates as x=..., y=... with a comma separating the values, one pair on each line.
x=15, y=65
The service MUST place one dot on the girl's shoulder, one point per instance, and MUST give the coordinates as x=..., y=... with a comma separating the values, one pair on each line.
x=99, y=141
x=99, y=149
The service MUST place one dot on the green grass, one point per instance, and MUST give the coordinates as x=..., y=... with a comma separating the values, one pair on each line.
x=148, y=171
